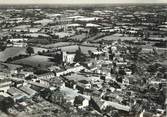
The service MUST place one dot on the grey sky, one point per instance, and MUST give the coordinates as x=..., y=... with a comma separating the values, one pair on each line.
x=77, y=1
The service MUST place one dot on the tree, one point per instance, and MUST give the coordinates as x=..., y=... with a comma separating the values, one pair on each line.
x=29, y=50
x=90, y=53
x=93, y=31
x=6, y=103
x=79, y=56
x=2, y=46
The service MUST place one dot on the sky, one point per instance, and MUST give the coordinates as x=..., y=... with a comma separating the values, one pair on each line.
x=78, y=1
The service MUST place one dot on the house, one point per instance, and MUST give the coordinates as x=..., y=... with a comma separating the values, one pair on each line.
x=4, y=75
x=33, y=30
x=58, y=97
x=68, y=57
x=17, y=82
x=15, y=40
x=26, y=73
x=53, y=68
x=70, y=70
x=128, y=72
x=38, y=86
x=4, y=84
x=125, y=81
x=116, y=105
x=28, y=90
x=146, y=114
x=96, y=103
x=46, y=76
x=17, y=94
x=20, y=44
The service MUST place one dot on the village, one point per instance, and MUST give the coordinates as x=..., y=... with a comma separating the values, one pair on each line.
x=83, y=61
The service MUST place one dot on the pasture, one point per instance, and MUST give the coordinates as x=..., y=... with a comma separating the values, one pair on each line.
x=35, y=61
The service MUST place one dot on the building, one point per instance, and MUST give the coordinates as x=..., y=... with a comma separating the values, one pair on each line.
x=74, y=69
x=4, y=84
x=116, y=105
x=28, y=91
x=68, y=57
x=17, y=94
x=38, y=86
x=46, y=76
x=20, y=44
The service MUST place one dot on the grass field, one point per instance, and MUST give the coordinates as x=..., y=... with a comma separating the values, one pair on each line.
x=15, y=51
x=78, y=37
x=55, y=45
x=36, y=35
x=35, y=61
x=11, y=52
x=73, y=48
x=115, y=37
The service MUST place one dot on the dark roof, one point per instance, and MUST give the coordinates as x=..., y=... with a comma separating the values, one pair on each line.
x=147, y=114
x=2, y=98
x=28, y=90
x=78, y=99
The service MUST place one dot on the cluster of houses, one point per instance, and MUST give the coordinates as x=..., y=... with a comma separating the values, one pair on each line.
x=107, y=81
x=101, y=82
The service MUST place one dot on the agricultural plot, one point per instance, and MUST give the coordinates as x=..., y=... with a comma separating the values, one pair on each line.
x=79, y=37
x=98, y=35
x=15, y=51
x=36, y=35
x=59, y=44
x=63, y=34
x=73, y=48
x=35, y=61
x=39, y=49
x=115, y=37
x=11, y=52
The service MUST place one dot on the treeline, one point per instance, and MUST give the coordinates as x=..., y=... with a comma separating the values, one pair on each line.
x=21, y=56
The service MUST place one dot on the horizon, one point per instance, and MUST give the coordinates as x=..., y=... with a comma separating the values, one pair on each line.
x=78, y=2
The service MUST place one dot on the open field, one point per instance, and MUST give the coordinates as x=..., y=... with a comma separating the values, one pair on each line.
x=35, y=61
x=78, y=37
x=55, y=45
x=9, y=66
x=11, y=52
x=15, y=51
x=63, y=34
x=36, y=35
x=115, y=37
x=98, y=35
x=73, y=48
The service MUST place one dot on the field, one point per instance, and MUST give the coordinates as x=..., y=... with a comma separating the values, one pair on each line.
x=98, y=35
x=36, y=35
x=78, y=37
x=63, y=34
x=73, y=48
x=15, y=51
x=35, y=61
x=36, y=49
x=55, y=45
x=9, y=66
x=11, y=52
x=115, y=37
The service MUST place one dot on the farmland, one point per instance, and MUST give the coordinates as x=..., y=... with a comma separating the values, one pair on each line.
x=15, y=51
x=115, y=37
x=11, y=52
x=79, y=37
x=55, y=45
x=73, y=48
x=35, y=61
